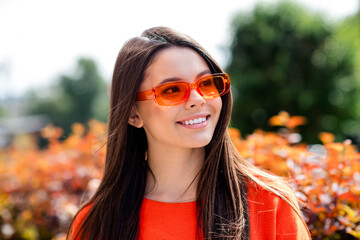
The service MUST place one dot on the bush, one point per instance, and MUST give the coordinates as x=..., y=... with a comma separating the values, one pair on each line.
x=325, y=177
x=282, y=56
x=40, y=190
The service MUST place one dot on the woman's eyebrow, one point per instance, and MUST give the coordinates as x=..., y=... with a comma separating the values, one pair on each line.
x=170, y=80
x=207, y=71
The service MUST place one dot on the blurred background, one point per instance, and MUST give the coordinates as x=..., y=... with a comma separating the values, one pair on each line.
x=56, y=59
x=285, y=58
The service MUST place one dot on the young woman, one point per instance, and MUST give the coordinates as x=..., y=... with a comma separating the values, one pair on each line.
x=171, y=170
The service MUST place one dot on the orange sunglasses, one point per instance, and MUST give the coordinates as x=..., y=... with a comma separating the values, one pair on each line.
x=174, y=93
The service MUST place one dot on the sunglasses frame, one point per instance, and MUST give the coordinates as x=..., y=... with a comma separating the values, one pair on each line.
x=153, y=94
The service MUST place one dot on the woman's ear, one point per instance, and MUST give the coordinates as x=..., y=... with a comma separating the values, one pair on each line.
x=135, y=119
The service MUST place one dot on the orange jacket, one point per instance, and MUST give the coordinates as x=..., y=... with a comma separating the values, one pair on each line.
x=270, y=218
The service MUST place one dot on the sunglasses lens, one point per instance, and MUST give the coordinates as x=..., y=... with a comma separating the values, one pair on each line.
x=171, y=93
x=213, y=86
x=174, y=93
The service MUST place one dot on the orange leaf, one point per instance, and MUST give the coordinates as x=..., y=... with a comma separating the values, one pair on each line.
x=295, y=121
x=337, y=147
x=280, y=119
x=234, y=133
x=326, y=137
x=78, y=129
x=349, y=196
x=50, y=131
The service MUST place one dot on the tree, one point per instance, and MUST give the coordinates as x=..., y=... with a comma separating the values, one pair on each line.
x=285, y=58
x=75, y=98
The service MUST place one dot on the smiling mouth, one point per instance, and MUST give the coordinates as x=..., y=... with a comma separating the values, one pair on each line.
x=195, y=121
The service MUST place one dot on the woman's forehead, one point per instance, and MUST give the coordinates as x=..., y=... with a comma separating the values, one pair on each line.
x=175, y=62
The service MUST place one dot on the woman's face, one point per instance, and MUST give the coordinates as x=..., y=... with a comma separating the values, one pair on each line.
x=166, y=125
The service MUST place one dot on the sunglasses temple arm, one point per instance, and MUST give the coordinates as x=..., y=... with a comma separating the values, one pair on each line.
x=145, y=95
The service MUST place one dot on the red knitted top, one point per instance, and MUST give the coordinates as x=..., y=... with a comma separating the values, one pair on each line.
x=270, y=218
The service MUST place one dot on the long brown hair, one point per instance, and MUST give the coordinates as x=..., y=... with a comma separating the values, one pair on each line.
x=221, y=190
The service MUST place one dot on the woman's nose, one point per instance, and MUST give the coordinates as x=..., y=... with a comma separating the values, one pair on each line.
x=194, y=100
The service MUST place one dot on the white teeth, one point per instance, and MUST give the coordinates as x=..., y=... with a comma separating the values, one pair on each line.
x=195, y=121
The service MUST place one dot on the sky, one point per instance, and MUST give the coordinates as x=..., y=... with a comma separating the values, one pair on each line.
x=42, y=39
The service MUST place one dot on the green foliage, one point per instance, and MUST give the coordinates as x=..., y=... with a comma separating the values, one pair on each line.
x=2, y=112
x=347, y=36
x=285, y=58
x=75, y=98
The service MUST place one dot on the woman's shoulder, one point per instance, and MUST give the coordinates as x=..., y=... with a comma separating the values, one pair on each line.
x=258, y=194
x=272, y=217
x=274, y=190
x=79, y=218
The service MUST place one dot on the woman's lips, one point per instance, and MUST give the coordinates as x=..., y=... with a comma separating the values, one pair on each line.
x=195, y=122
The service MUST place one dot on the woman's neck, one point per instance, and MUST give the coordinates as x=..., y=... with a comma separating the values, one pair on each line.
x=176, y=173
